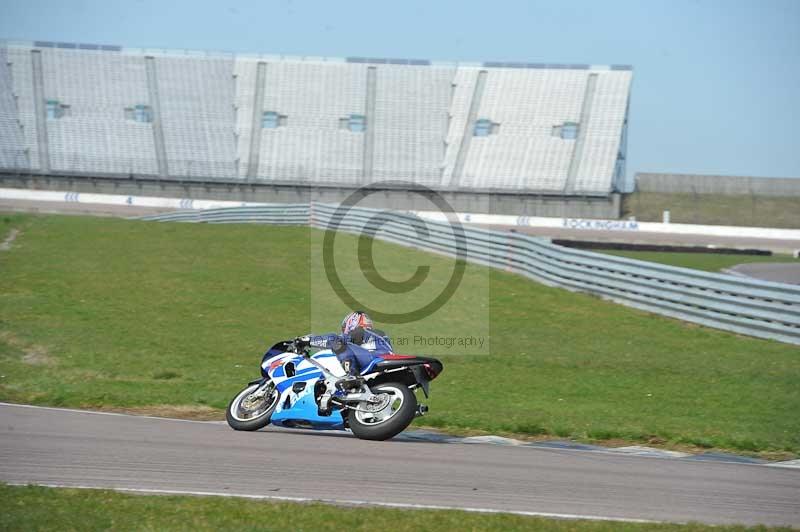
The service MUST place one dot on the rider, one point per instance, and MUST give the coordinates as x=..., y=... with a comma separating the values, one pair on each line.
x=356, y=346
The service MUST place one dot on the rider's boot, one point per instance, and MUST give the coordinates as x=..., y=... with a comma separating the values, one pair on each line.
x=349, y=382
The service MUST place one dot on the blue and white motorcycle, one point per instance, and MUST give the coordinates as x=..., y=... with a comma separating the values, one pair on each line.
x=301, y=390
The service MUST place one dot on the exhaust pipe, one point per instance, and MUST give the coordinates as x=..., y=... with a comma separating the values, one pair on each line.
x=421, y=410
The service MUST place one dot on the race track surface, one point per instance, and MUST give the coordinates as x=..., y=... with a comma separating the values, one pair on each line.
x=70, y=448
x=778, y=273
x=83, y=209
x=776, y=245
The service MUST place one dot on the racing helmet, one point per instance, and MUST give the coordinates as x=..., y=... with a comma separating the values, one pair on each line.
x=354, y=320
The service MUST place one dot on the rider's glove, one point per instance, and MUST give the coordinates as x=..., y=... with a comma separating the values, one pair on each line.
x=357, y=335
x=302, y=341
x=338, y=345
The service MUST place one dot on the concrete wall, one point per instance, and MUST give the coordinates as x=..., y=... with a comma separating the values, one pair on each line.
x=399, y=199
x=720, y=185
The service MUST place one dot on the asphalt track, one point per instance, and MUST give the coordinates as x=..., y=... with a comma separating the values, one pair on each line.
x=84, y=209
x=776, y=245
x=71, y=448
x=779, y=272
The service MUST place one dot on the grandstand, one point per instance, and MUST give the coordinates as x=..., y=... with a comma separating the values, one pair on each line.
x=492, y=137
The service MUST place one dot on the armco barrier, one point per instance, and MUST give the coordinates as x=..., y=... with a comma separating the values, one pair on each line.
x=746, y=306
x=466, y=218
x=278, y=214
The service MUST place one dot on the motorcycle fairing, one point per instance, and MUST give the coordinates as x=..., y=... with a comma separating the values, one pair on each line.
x=304, y=410
x=299, y=408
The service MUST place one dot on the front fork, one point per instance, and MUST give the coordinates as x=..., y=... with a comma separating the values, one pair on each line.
x=263, y=385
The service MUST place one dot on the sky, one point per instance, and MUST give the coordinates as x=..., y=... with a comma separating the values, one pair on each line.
x=716, y=87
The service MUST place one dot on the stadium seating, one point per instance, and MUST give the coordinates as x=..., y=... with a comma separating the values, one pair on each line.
x=411, y=109
x=197, y=107
x=312, y=146
x=603, y=133
x=550, y=129
x=527, y=103
x=12, y=152
x=21, y=76
x=94, y=135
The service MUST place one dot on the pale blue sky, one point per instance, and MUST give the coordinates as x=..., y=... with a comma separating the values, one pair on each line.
x=716, y=83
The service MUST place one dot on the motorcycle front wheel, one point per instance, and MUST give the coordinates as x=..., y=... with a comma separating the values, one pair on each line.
x=387, y=418
x=250, y=410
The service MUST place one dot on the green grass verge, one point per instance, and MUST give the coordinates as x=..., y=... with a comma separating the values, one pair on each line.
x=710, y=209
x=710, y=262
x=104, y=313
x=37, y=508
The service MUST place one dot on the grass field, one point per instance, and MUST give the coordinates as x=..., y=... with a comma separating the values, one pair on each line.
x=710, y=209
x=109, y=313
x=36, y=508
x=710, y=262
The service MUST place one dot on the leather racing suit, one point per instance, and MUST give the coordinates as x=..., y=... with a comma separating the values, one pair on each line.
x=356, y=350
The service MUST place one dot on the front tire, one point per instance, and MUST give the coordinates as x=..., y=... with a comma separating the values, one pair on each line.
x=246, y=412
x=389, y=418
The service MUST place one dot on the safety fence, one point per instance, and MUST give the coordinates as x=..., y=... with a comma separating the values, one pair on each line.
x=277, y=214
x=738, y=304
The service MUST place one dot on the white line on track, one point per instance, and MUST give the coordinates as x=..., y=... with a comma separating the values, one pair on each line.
x=341, y=502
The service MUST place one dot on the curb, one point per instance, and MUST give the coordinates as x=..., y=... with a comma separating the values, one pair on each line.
x=632, y=450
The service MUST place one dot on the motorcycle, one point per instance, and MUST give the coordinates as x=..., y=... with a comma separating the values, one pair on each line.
x=298, y=389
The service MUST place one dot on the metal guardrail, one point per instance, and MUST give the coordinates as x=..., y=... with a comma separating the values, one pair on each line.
x=278, y=214
x=737, y=304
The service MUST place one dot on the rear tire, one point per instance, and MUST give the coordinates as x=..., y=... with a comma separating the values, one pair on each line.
x=388, y=422
x=245, y=413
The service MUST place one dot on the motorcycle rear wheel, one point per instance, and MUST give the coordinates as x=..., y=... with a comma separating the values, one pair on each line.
x=248, y=413
x=386, y=421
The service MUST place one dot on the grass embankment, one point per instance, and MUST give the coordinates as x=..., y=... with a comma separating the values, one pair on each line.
x=36, y=508
x=710, y=262
x=109, y=313
x=711, y=209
